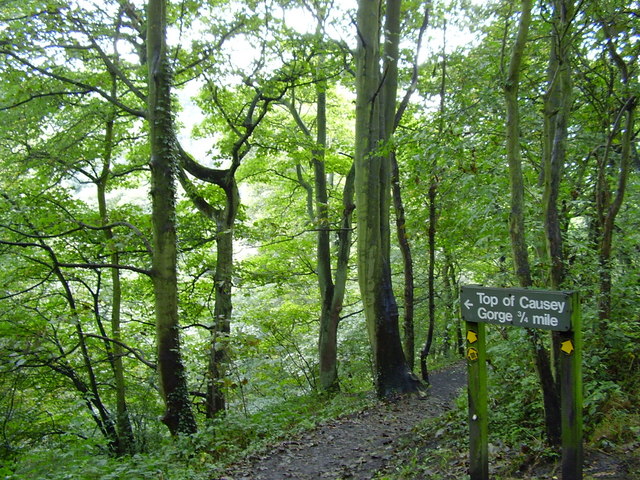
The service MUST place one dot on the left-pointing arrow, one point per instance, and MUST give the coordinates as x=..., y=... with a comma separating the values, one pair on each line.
x=468, y=304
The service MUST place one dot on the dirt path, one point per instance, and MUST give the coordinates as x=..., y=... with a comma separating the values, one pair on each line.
x=354, y=446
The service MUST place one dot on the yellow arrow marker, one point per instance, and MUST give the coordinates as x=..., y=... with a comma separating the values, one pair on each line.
x=567, y=347
x=472, y=337
x=472, y=354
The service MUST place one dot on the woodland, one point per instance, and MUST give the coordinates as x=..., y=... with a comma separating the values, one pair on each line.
x=223, y=222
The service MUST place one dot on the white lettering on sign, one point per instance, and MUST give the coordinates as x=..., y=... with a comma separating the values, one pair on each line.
x=502, y=317
x=519, y=307
x=485, y=299
x=553, y=305
x=545, y=319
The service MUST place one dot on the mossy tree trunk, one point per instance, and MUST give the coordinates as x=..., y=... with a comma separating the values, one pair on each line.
x=178, y=414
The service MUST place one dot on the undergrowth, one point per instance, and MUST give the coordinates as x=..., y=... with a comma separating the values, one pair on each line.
x=220, y=442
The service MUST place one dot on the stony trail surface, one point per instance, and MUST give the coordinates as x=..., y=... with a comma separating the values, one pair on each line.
x=355, y=446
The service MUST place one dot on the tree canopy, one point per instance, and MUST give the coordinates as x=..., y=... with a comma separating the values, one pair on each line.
x=210, y=207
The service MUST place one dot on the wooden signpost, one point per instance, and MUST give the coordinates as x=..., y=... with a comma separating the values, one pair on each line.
x=548, y=310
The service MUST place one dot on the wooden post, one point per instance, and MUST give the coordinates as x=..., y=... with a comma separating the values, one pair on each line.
x=571, y=394
x=477, y=392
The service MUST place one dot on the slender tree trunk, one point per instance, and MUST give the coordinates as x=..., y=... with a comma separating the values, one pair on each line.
x=433, y=190
x=328, y=334
x=609, y=209
x=372, y=191
x=125, y=432
x=126, y=439
x=178, y=415
x=511, y=87
x=408, y=326
x=433, y=220
x=225, y=220
x=451, y=289
x=450, y=300
x=608, y=203
x=517, y=226
x=90, y=393
x=408, y=338
x=331, y=287
x=557, y=109
x=219, y=357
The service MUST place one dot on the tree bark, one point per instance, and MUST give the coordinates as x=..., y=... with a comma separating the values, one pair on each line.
x=225, y=221
x=408, y=325
x=372, y=191
x=328, y=334
x=557, y=108
x=178, y=414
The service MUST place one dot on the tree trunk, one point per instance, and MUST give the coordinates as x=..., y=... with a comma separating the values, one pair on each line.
x=609, y=210
x=126, y=439
x=516, y=217
x=408, y=338
x=90, y=393
x=123, y=423
x=433, y=190
x=223, y=279
x=372, y=191
x=557, y=106
x=608, y=203
x=328, y=334
x=225, y=220
x=433, y=219
x=178, y=415
x=516, y=222
x=331, y=287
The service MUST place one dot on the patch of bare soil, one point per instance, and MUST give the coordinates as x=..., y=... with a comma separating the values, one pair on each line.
x=356, y=446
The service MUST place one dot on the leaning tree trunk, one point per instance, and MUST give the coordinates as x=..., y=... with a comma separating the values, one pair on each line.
x=178, y=415
x=519, y=246
x=372, y=192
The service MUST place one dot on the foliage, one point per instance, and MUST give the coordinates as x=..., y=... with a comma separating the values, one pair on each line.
x=223, y=440
x=72, y=104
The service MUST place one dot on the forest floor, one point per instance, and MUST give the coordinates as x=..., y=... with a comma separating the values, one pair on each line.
x=381, y=442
